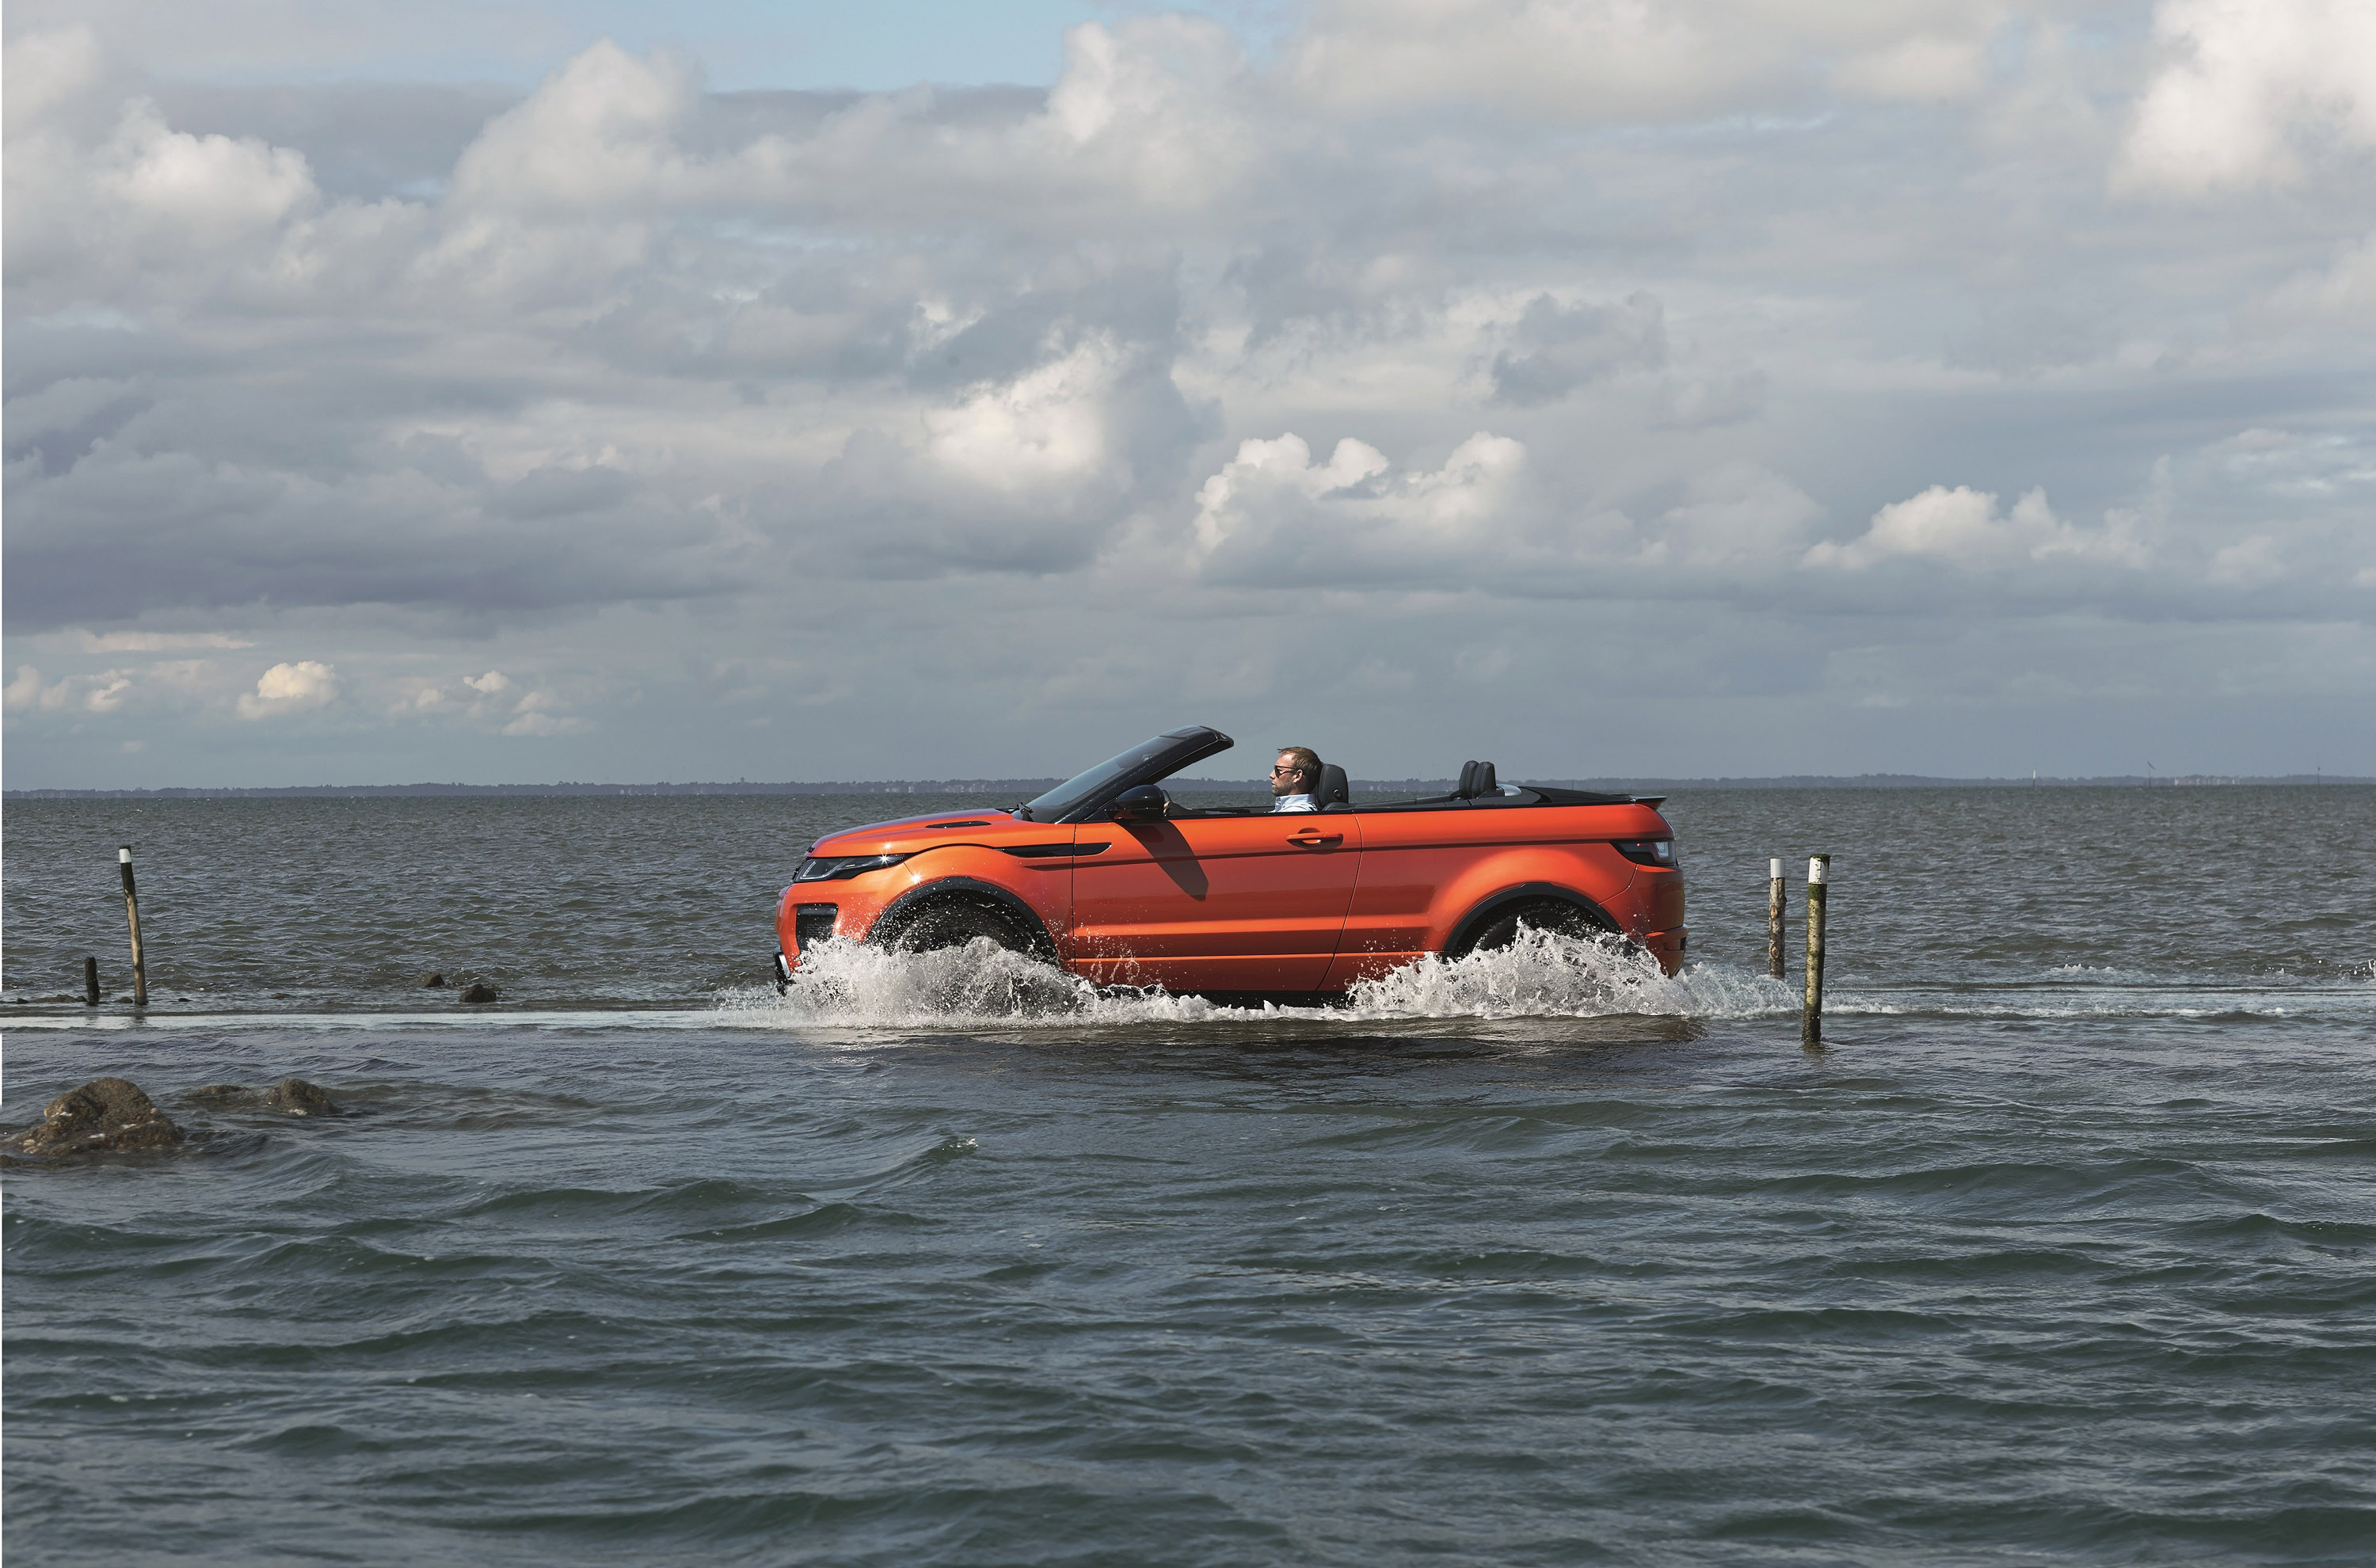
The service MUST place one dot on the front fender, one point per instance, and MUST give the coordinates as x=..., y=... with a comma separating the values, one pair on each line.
x=889, y=921
x=1037, y=892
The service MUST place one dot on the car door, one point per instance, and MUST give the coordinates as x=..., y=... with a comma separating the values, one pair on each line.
x=1224, y=903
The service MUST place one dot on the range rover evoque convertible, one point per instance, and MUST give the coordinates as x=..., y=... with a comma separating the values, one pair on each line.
x=1109, y=878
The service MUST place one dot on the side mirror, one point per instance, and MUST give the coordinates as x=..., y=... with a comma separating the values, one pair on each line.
x=1143, y=804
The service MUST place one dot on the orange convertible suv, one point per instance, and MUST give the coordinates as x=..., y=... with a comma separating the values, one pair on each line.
x=1107, y=877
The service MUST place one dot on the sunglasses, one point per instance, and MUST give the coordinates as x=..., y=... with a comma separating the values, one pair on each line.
x=1276, y=771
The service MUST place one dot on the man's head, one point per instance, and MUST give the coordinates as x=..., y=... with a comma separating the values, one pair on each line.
x=1297, y=772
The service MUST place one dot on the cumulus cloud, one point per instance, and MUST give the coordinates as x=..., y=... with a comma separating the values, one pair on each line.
x=104, y=692
x=176, y=683
x=528, y=412
x=490, y=702
x=1029, y=472
x=87, y=208
x=597, y=135
x=1273, y=518
x=538, y=714
x=1966, y=528
x=1150, y=116
x=2247, y=89
x=285, y=689
x=1044, y=428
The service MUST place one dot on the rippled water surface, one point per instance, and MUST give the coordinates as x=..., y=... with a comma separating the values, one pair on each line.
x=2066, y=1250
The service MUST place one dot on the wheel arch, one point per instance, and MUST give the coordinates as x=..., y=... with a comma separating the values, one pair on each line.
x=895, y=915
x=1483, y=913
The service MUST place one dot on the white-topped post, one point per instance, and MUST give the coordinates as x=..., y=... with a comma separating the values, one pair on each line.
x=1811, y=1016
x=132, y=913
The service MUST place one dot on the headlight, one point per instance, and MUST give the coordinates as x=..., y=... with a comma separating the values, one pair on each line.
x=1647, y=852
x=841, y=868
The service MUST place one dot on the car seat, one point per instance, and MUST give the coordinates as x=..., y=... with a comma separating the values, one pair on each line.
x=1476, y=778
x=1335, y=790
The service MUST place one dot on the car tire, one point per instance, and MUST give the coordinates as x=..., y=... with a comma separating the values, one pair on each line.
x=1543, y=914
x=952, y=922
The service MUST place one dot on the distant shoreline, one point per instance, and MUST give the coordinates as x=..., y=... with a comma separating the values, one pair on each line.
x=1011, y=789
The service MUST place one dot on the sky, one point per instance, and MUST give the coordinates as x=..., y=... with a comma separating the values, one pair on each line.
x=547, y=390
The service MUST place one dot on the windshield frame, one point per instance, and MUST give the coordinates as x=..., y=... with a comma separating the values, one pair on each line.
x=1079, y=798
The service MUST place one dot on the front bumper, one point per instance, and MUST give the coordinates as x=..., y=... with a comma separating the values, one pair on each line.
x=797, y=928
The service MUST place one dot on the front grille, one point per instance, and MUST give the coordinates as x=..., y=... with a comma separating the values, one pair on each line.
x=812, y=923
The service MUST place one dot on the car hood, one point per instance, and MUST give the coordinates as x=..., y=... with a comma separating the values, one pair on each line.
x=909, y=832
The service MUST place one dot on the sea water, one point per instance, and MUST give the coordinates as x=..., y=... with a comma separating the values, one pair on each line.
x=2063, y=1250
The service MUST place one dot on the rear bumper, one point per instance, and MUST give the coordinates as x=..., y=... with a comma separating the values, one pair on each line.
x=1666, y=946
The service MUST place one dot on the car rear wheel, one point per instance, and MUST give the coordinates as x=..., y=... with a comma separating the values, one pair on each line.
x=1541, y=914
x=952, y=922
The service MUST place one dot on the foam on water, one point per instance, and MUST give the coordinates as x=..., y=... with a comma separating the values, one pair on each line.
x=1541, y=975
x=843, y=984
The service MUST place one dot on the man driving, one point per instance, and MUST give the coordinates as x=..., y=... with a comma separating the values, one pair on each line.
x=1295, y=781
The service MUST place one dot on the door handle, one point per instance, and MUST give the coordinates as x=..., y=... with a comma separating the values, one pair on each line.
x=1312, y=840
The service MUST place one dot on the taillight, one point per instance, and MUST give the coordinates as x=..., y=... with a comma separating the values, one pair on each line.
x=1647, y=852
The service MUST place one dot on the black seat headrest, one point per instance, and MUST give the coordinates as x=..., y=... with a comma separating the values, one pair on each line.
x=1466, y=788
x=1485, y=782
x=1335, y=790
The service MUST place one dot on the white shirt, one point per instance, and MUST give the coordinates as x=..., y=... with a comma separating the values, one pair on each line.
x=1297, y=803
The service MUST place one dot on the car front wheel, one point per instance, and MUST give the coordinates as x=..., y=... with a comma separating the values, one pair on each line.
x=952, y=922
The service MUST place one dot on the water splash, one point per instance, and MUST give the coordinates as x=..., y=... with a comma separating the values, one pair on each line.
x=1541, y=975
x=839, y=981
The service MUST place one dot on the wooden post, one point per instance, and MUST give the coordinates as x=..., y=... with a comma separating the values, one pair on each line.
x=132, y=913
x=1810, y=1017
x=89, y=983
x=1775, y=900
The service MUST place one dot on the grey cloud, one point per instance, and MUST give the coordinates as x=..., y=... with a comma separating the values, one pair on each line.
x=1095, y=430
x=554, y=492
x=2029, y=336
x=725, y=123
x=1703, y=401
x=53, y=429
x=1555, y=349
x=624, y=354
x=127, y=532
x=830, y=325
x=1305, y=281
x=363, y=140
x=1139, y=304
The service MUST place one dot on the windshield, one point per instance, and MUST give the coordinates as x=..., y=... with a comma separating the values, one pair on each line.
x=1143, y=764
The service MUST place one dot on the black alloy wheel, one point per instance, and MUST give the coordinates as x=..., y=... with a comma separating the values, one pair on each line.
x=952, y=922
x=1543, y=914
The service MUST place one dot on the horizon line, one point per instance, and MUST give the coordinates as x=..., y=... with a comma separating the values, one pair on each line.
x=1615, y=783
